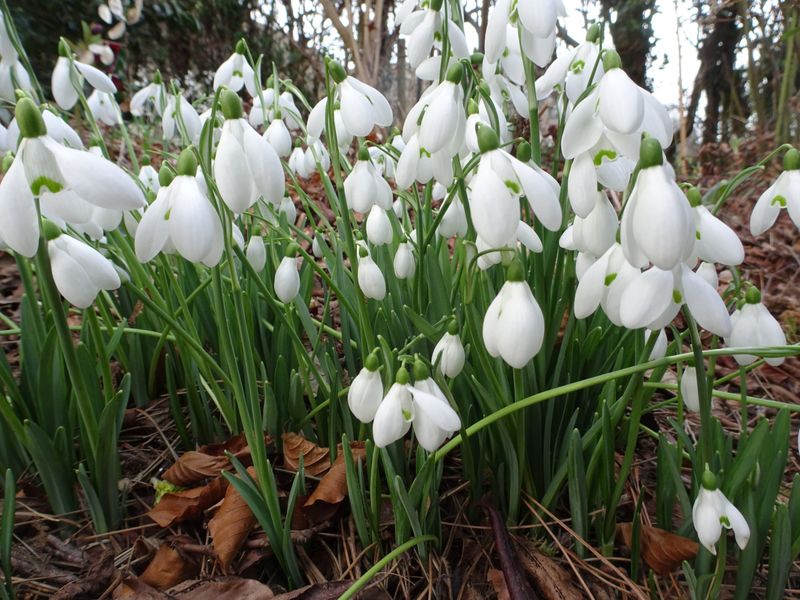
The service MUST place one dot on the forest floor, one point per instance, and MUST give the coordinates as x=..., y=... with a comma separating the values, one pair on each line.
x=179, y=551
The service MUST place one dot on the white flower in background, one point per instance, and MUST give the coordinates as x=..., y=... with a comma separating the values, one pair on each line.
x=297, y=163
x=181, y=218
x=179, y=110
x=149, y=176
x=379, y=228
x=405, y=265
x=438, y=118
x=395, y=412
x=256, y=253
x=597, y=232
x=454, y=221
x=316, y=124
x=151, y=94
x=689, y=391
x=708, y=272
x=570, y=72
x=43, y=165
x=715, y=242
x=658, y=224
x=712, y=511
x=236, y=72
x=448, y=354
x=660, y=347
x=316, y=247
x=278, y=136
x=285, y=106
x=417, y=165
x=288, y=209
x=784, y=193
x=246, y=166
x=433, y=418
x=102, y=107
x=364, y=187
x=317, y=154
x=513, y=327
x=287, y=278
x=79, y=271
x=425, y=28
x=536, y=20
x=64, y=92
x=13, y=76
x=370, y=279
x=753, y=326
x=366, y=391
x=496, y=188
x=113, y=9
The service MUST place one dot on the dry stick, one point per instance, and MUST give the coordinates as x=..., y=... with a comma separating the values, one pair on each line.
x=681, y=101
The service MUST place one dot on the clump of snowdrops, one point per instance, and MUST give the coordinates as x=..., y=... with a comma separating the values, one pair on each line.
x=451, y=292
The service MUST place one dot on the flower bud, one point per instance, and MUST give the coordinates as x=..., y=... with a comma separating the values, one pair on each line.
x=29, y=119
x=231, y=104
x=487, y=138
x=791, y=160
x=187, y=162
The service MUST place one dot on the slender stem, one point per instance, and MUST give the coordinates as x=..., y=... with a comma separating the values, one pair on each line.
x=706, y=447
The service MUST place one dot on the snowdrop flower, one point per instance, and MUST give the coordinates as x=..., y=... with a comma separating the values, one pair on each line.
x=44, y=166
x=365, y=188
x=417, y=165
x=440, y=114
x=256, y=253
x=660, y=347
x=395, y=412
x=658, y=225
x=537, y=23
x=181, y=217
x=64, y=93
x=317, y=154
x=715, y=242
x=495, y=190
x=513, y=327
x=433, y=418
x=603, y=283
x=179, y=110
x=708, y=272
x=288, y=209
x=448, y=353
x=784, y=193
x=753, y=326
x=79, y=271
x=421, y=27
x=689, y=391
x=315, y=125
x=370, y=278
x=361, y=107
x=246, y=166
x=316, y=248
x=379, y=228
x=570, y=72
x=712, y=510
x=287, y=278
x=653, y=298
x=149, y=176
x=13, y=76
x=404, y=263
x=597, y=232
x=454, y=221
x=366, y=391
x=151, y=94
x=297, y=162
x=284, y=108
x=102, y=107
x=278, y=136
x=235, y=72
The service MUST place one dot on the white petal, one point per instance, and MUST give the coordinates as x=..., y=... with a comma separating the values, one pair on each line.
x=192, y=219
x=71, y=280
x=646, y=297
x=19, y=223
x=582, y=185
x=153, y=229
x=234, y=180
x=61, y=86
x=96, y=78
x=705, y=303
x=583, y=128
x=265, y=166
x=621, y=103
x=390, y=424
x=287, y=280
x=365, y=395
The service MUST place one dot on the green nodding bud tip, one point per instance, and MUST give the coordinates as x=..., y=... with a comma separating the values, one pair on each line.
x=231, y=104
x=337, y=71
x=791, y=160
x=363, y=252
x=515, y=271
x=452, y=326
x=476, y=58
x=709, y=480
x=436, y=4
x=472, y=107
x=145, y=160
x=50, y=230
x=420, y=370
x=402, y=376
x=8, y=159
x=372, y=363
x=187, y=162
x=487, y=138
x=694, y=196
x=752, y=295
x=157, y=78
x=165, y=174
x=292, y=249
x=484, y=88
x=276, y=116
x=454, y=73
x=29, y=119
x=298, y=143
x=593, y=33
x=611, y=60
x=241, y=46
x=650, y=153
x=64, y=49
x=363, y=152
x=524, y=152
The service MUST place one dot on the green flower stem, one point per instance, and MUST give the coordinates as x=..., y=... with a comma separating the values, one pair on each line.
x=706, y=445
x=376, y=568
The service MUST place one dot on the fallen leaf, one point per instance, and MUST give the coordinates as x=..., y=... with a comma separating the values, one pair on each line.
x=93, y=583
x=661, y=550
x=169, y=567
x=332, y=488
x=498, y=581
x=330, y=590
x=208, y=461
x=229, y=588
x=316, y=460
x=550, y=579
x=189, y=504
x=131, y=587
x=231, y=525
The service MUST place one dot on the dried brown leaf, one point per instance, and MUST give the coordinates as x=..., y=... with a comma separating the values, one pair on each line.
x=231, y=525
x=169, y=567
x=498, y=582
x=323, y=502
x=131, y=587
x=229, y=588
x=208, y=461
x=550, y=579
x=316, y=460
x=661, y=550
x=330, y=590
x=188, y=504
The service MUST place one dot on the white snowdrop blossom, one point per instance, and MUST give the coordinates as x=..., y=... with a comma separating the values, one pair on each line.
x=152, y=94
x=79, y=271
x=379, y=228
x=712, y=511
x=404, y=263
x=287, y=279
x=101, y=104
x=421, y=28
x=784, y=193
x=179, y=111
x=448, y=354
x=364, y=187
x=753, y=326
x=370, y=279
x=513, y=327
x=278, y=136
x=366, y=391
x=66, y=70
x=256, y=253
x=689, y=391
x=236, y=72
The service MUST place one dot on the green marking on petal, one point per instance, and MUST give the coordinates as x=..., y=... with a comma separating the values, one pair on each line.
x=779, y=200
x=697, y=234
x=605, y=153
x=45, y=182
x=724, y=520
x=677, y=298
x=406, y=414
x=609, y=279
x=513, y=186
x=577, y=66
